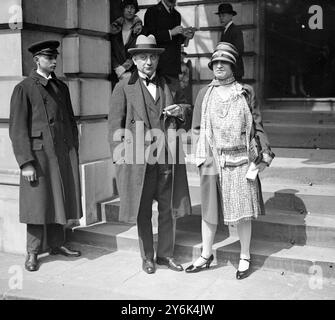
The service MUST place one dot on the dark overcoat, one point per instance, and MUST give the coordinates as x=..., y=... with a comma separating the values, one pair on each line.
x=210, y=196
x=158, y=21
x=44, y=133
x=129, y=130
x=234, y=36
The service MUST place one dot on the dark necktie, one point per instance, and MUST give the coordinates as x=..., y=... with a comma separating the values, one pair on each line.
x=147, y=80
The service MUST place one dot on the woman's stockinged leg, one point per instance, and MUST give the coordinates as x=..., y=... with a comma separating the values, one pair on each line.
x=208, y=231
x=244, y=234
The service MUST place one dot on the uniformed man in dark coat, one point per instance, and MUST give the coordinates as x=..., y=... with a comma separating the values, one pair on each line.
x=232, y=34
x=142, y=113
x=44, y=136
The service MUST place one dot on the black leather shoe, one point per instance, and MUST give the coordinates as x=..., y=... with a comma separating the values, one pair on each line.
x=169, y=262
x=65, y=252
x=31, y=262
x=243, y=274
x=193, y=269
x=148, y=266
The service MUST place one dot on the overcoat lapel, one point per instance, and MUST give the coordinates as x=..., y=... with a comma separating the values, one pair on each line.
x=136, y=96
x=161, y=95
x=137, y=99
x=60, y=95
x=165, y=95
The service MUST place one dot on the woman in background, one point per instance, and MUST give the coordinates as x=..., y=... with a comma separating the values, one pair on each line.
x=125, y=31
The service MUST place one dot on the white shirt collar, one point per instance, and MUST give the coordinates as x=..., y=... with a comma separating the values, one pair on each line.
x=228, y=25
x=166, y=7
x=151, y=87
x=43, y=75
x=144, y=76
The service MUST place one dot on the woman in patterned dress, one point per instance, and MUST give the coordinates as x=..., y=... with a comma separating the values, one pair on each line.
x=226, y=123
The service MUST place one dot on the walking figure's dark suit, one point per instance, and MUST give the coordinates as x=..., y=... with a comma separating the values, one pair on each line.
x=234, y=36
x=158, y=21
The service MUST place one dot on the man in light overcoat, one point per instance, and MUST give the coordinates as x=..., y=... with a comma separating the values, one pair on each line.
x=147, y=165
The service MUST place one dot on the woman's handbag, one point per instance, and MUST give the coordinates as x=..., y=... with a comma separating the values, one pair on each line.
x=255, y=150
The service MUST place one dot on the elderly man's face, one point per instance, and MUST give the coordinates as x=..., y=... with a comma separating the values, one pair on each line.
x=146, y=63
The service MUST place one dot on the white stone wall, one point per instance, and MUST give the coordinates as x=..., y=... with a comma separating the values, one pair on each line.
x=12, y=233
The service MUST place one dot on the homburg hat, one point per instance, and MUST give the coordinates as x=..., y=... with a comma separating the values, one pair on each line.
x=226, y=8
x=146, y=44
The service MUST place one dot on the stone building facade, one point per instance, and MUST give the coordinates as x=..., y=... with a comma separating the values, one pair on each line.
x=82, y=27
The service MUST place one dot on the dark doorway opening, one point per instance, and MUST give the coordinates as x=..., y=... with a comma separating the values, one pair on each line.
x=299, y=48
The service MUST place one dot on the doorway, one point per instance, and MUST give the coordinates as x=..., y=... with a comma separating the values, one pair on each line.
x=299, y=49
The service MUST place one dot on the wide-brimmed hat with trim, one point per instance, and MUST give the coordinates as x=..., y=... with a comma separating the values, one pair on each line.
x=224, y=51
x=146, y=44
x=226, y=8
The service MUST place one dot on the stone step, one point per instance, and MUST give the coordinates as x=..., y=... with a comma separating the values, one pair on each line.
x=277, y=225
x=297, y=166
x=313, y=200
x=291, y=197
x=291, y=135
x=281, y=226
x=299, y=173
x=315, y=105
x=298, y=116
x=311, y=156
x=264, y=254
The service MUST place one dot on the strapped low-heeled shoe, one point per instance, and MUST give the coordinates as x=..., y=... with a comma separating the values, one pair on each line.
x=193, y=269
x=243, y=274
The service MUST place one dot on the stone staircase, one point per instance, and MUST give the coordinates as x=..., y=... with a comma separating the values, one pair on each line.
x=297, y=232
x=300, y=123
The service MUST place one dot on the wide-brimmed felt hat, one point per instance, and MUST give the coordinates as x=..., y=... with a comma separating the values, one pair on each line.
x=47, y=48
x=226, y=8
x=225, y=52
x=146, y=44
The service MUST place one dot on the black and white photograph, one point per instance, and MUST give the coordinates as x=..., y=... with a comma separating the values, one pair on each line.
x=167, y=156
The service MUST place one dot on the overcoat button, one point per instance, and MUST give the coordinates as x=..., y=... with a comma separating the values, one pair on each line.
x=132, y=121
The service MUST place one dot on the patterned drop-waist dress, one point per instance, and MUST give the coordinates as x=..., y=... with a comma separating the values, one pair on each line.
x=230, y=124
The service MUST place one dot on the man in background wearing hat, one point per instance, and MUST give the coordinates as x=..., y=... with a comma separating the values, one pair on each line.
x=141, y=112
x=164, y=22
x=44, y=136
x=232, y=34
